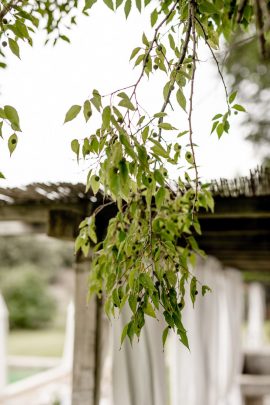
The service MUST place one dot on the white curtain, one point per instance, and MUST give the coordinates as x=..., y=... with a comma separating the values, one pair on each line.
x=256, y=316
x=138, y=372
x=207, y=374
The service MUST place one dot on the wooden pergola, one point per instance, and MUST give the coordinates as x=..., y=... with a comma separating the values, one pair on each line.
x=237, y=233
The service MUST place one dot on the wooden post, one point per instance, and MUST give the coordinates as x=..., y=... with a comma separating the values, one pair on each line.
x=254, y=401
x=86, y=364
x=87, y=353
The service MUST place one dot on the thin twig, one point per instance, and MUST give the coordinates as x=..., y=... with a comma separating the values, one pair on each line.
x=192, y=13
x=260, y=27
x=178, y=66
x=7, y=8
x=216, y=61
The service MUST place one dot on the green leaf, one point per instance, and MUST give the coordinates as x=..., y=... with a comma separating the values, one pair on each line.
x=106, y=117
x=132, y=301
x=172, y=42
x=215, y=124
x=125, y=102
x=145, y=40
x=87, y=110
x=147, y=282
x=232, y=97
x=131, y=331
x=109, y=4
x=96, y=100
x=131, y=278
x=75, y=147
x=205, y=289
x=159, y=177
x=165, y=335
x=13, y=117
x=166, y=126
x=94, y=182
x=239, y=107
x=220, y=129
x=149, y=310
x=2, y=176
x=160, y=196
x=64, y=38
x=92, y=229
x=1, y=126
x=216, y=117
x=207, y=7
x=183, y=337
x=72, y=113
x=193, y=289
x=22, y=29
x=181, y=99
x=160, y=115
x=124, y=333
x=128, y=148
x=145, y=133
x=14, y=47
x=127, y=8
x=166, y=90
x=2, y=113
x=134, y=52
x=110, y=282
x=89, y=4
x=160, y=151
x=139, y=60
x=118, y=3
x=139, y=5
x=189, y=157
x=12, y=143
x=154, y=17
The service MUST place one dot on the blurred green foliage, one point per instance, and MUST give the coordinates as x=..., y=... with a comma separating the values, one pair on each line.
x=48, y=255
x=249, y=72
x=29, y=302
x=28, y=265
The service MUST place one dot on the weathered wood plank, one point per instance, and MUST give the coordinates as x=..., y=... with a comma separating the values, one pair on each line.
x=83, y=390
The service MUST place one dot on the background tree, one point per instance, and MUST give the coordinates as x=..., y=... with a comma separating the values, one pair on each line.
x=146, y=256
x=250, y=74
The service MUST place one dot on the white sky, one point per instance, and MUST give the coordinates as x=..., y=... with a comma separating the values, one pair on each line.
x=47, y=81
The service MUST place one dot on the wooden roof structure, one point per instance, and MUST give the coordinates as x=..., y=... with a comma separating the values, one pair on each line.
x=237, y=233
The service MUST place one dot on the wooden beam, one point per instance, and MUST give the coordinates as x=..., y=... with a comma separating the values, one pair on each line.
x=86, y=377
x=241, y=207
x=64, y=224
x=36, y=212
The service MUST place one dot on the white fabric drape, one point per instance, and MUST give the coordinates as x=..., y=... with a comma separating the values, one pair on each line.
x=256, y=316
x=138, y=372
x=207, y=374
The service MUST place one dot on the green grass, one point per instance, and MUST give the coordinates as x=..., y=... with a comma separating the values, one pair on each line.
x=47, y=342
x=15, y=375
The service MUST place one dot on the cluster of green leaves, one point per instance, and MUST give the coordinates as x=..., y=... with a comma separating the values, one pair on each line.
x=221, y=121
x=146, y=257
x=144, y=260
x=9, y=118
x=248, y=70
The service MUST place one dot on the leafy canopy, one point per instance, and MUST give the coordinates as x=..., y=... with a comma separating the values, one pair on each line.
x=150, y=246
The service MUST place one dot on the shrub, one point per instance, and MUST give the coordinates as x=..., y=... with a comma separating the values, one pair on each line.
x=28, y=299
x=47, y=254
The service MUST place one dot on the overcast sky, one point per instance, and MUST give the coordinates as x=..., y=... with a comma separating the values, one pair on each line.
x=47, y=81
